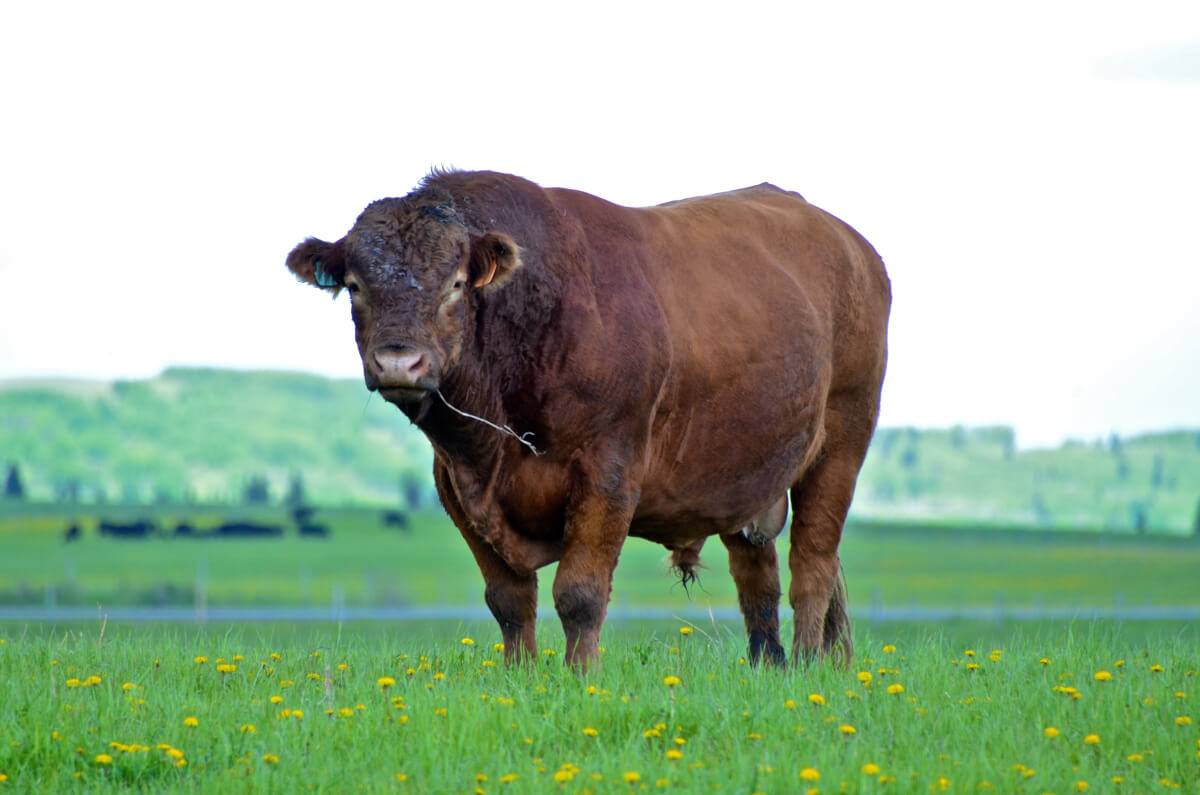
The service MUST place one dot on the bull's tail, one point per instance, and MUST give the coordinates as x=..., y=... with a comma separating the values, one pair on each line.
x=838, y=640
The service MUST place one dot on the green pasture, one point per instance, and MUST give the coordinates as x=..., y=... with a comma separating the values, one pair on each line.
x=367, y=564
x=1044, y=708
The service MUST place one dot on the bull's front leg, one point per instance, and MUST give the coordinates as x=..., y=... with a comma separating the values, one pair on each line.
x=598, y=517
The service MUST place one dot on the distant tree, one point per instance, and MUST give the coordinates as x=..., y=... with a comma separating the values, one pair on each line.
x=1157, y=471
x=67, y=491
x=295, y=497
x=1122, y=469
x=1138, y=514
x=1114, y=445
x=412, y=491
x=257, y=491
x=14, y=489
x=908, y=458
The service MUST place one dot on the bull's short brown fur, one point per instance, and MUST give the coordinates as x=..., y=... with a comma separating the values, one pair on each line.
x=682, y=369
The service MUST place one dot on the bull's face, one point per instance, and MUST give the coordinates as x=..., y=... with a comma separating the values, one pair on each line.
x=414, y=275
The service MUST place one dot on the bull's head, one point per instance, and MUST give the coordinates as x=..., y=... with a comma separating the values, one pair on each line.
x=414, y=273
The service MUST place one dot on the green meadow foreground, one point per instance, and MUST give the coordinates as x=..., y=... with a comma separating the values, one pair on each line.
x=1047, y=707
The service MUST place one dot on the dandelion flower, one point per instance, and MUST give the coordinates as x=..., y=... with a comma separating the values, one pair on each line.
x=1156, y=669
x=191, y=721
x=1044, y=661
x=1102, y=676
x=273, y=759
x=276, y=699
x=588, y=731
x=401, y=777
x=864, y=677
x=1081, y=786
x=103, y=759
x=1119, y=664
x=509, y=778
x=810, y=774
x=385, y=682
x=1091, y=739
x=972, y=666
x=969, y=653
x=201, y=660
x=1183, y=720
x=672, y=681
x=3, y=778
x=175, y=753
x=895, y=689
x=1051, y=732
x=674, y=754
x=889, y=649
x=1135, y=757
x=870, y=769
x=346, y=712
x=73, y=682
x=847, y=729
x=226, y=668
x=789, y=704
x=249, y=728
x=685, y=631
x=128, y=686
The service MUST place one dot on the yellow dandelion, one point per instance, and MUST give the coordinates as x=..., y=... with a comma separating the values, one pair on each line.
x=864, y=677
x=1081, y=786
x=1118, y=780
x=1183, y=720
x=895, y=689
x=175, y=753
x=1102, y=676
x=847, y=729
x=588, y=731
x=467, y=641
x=685, y=631
x=943, y=783
x=385, y=682
x=497, y=647
x=1156, y=669
x=1044, y=661
x=3, y=778
x=1119, y=664
x=1135, y=757
x=810, y=774
x=191, y=721
x=249, y=728
x=674, y=754
x=228, y=668
x=870, y=769
x=1091, y=739
x=276, y=699
x=127, y=686
x=672, y=681
x=92, y=681
x=972, y=666
x=632, y=777
x=401, y=777
x=969, y=653
x=509, y=778
x=888, y=648
x=271, y=759
x=103, y=759
x=789, y=704
x=1051, y=732
x=995, y=654
x=180, y=763
x=817, y=699
x=73, y=682
x=200, y=660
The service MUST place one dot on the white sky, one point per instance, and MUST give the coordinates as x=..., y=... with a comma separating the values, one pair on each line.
x=1029, y=173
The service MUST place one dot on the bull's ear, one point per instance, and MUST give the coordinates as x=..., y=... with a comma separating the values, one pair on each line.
x=495, y=257
x=319, y=263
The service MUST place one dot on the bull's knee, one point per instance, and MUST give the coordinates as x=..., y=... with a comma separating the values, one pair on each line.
x=579, y=606
x=510, y=606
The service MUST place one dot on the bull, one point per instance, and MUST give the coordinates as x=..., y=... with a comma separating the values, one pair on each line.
x=586, y=372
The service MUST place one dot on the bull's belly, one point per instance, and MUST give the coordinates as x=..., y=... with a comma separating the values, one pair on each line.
x=718, y=490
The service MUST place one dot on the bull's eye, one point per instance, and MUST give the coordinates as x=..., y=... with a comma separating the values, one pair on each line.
x=352, y=289
x=458, y=284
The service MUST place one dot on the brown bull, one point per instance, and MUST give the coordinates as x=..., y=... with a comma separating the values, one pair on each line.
x=672, y=373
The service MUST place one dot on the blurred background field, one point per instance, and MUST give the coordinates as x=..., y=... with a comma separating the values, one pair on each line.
x=957, y=517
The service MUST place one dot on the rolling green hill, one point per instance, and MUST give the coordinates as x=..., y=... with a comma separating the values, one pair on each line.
x=203, y=434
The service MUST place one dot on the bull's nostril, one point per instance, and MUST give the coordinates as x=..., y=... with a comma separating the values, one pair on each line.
x=400, y=366
x=418, y=366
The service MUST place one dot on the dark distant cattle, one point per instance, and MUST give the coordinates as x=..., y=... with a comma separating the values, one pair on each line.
x=184, y=530
x=72, y=533
x=397, y=519
x=140, y=530
x=669, y=372
x=246, y=530
x=314, y=530
x=302, y=514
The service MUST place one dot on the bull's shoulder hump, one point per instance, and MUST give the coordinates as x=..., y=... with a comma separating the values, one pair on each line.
x=763, y=190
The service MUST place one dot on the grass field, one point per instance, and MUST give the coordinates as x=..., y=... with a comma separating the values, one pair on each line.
x=371, y=565
x=959, y=709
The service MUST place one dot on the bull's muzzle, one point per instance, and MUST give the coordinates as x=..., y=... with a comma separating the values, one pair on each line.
x=400, y=369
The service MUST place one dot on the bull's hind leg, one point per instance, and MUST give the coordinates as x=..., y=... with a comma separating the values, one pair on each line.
x=755, y=571
x=820, y=501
